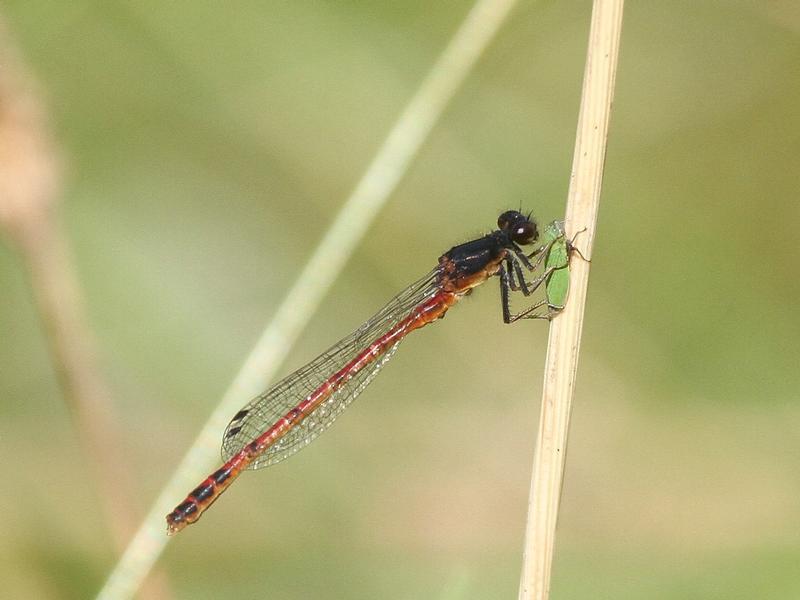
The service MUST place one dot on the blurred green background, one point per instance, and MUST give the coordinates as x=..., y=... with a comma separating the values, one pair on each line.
x=209, y=148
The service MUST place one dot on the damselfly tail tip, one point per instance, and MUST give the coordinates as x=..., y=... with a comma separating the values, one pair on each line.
x=185, y=513
x=175, y=523
x=173, y=528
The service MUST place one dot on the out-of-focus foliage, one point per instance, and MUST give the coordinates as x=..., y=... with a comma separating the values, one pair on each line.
x=208, y=148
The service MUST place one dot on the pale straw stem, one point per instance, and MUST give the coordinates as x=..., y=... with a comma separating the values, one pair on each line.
x=565, y=332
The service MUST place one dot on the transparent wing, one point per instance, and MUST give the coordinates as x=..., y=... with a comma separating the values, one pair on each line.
x=264, y=410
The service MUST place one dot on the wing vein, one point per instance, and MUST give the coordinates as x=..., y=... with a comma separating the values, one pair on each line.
x=266, y=409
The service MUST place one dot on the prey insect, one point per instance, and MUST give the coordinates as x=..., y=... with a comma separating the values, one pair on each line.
x=298, y=408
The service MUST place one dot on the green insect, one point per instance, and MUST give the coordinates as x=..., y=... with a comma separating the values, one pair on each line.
x=557, y=262
x=553, y=255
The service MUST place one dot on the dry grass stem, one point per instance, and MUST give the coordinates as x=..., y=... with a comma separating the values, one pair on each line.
x=565, y=333
x=29, y=191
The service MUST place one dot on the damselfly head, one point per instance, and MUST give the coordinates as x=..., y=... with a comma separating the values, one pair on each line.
x=521, y=229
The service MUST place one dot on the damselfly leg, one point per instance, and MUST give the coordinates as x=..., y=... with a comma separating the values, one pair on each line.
x=512, y=277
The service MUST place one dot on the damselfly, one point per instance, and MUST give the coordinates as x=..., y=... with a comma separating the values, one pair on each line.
x=297, y=409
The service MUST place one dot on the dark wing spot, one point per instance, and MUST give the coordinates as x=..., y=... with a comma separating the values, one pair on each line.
x=233, y=431
x=240, y=415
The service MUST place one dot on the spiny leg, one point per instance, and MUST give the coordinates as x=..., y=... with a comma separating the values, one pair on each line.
x=534, y=284
x=552, y=311
x=540, y=253
x=516, y=277
x=528, y=313
x=504, y=290
x=508, y=269
x=514, y=274
x=523, y=285
x=506, y=286
x=523, y=258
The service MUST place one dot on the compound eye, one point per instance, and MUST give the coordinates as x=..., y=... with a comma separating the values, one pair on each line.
x=525, y=233
x=507, y=218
